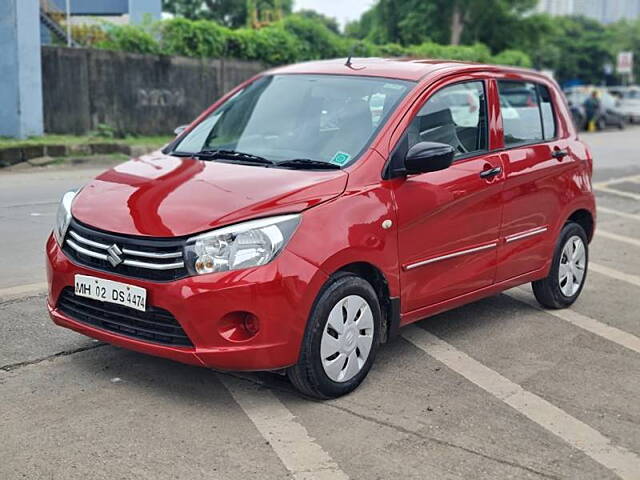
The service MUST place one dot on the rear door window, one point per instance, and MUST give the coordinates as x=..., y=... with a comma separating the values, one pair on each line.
x=527, y=113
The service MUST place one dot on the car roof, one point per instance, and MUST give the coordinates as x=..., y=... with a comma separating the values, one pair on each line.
x=398, y=68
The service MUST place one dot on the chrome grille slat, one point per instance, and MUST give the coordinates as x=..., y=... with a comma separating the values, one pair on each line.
x=154, y=266
x=137, y=253
x=86, y=241
x=86, y=251
x=138, y=257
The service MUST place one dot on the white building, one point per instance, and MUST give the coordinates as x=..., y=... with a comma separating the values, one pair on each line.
x=605, y=11
x=556, y=7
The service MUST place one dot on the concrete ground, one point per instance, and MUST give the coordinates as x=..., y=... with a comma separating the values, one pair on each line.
x=497, y=389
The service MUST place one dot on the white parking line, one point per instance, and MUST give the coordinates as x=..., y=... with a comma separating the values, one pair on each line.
x=630, y=216
x=620, y=193
x=624, y=463
x=18, y=291
x=613, y=181
x=587, y=323
x=615, y=274
x=618, y=238
x=305, y=459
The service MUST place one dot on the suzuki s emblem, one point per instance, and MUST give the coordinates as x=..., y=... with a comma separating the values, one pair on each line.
x=113, y=255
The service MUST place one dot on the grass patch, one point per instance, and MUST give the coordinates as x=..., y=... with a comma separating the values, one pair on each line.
x=149, y=141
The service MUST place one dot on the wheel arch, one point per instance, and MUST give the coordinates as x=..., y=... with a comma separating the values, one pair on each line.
x=390, y=306
x=584, y=218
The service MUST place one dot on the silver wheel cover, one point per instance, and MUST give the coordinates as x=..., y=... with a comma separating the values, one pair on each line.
x=347, y=338
x=573, y=263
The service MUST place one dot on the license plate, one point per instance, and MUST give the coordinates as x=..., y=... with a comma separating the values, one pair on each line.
x=110, y=291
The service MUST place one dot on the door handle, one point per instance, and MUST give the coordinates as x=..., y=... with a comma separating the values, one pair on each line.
x=492, y=172
x=559, y=154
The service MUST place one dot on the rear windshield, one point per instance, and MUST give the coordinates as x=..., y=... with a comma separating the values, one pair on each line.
x=328, y=118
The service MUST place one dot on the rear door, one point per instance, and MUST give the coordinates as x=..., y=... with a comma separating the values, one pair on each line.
x=449, y=220
x=534, y=159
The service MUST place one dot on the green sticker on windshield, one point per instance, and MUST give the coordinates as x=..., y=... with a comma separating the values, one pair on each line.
x=340, y=158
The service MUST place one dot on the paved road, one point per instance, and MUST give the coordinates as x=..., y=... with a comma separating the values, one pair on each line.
x=495, y=390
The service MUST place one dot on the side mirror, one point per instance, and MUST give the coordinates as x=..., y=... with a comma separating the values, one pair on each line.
x=429, y=157
x=180, y=129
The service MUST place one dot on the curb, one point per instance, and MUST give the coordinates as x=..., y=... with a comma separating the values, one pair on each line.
x=14, y=155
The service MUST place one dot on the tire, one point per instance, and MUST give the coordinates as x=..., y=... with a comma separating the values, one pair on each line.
x=556, y=291
x=330, y=352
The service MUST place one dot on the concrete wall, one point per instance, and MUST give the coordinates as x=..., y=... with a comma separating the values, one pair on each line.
x=132, y=93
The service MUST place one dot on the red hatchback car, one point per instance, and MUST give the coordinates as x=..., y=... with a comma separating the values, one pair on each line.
x=315, y=209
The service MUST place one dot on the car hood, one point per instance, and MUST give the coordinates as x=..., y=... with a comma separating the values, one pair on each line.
x=162, y=196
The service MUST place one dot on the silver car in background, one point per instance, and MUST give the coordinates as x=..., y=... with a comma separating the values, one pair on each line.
x=629, y=102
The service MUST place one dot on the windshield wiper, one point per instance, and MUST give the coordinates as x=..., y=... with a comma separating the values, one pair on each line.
x=181, y=154
x=225, y=155
x=232, y=155
x=307, y=163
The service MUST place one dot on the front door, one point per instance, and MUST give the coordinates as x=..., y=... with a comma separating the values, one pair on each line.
x=449, y=221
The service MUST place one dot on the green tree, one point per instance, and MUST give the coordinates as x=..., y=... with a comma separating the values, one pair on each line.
x=493, y=22
x=315, y=40
x=329, y=22
x=625, y=36
x=231, y=13
x=577, y=49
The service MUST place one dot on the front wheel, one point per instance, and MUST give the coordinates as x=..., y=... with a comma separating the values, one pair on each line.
x=341, y=340
x=568, y=271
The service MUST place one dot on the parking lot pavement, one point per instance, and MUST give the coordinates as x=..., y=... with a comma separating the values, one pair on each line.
x=496, y=389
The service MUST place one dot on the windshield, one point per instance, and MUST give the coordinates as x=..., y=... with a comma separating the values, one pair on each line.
x=632, y=94
x=327, y=118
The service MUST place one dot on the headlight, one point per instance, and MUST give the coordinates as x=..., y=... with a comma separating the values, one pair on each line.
x=244, y=245
x=63, y=217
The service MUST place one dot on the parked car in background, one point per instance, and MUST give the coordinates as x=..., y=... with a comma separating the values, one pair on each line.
x=609, y=115
x=578, y=115
x=314, y=210
x=628, y=102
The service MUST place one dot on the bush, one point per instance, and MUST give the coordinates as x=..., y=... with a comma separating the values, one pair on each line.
x=391, y=50
x=275, y=46
x=200, y=38
x=241, y=44
x=357, y=48
x=315, y=40
x=467, y=53
x=128, y=38
x=513, y=57
x=89, y=35
x=291, y=40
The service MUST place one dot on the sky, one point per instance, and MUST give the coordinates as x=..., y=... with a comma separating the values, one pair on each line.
x=342, y=10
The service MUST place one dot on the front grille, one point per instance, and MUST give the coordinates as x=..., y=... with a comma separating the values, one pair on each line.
x=157, y=259
x=153, y=325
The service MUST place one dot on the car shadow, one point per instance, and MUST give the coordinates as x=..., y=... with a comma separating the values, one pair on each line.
x=188, y=384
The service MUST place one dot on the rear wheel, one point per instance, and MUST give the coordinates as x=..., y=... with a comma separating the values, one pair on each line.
x=568, y=271
x=341, y=340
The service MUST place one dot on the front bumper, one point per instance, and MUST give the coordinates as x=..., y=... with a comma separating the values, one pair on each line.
x=279, y=294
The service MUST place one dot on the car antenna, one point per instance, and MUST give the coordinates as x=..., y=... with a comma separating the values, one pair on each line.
x=349, y=63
